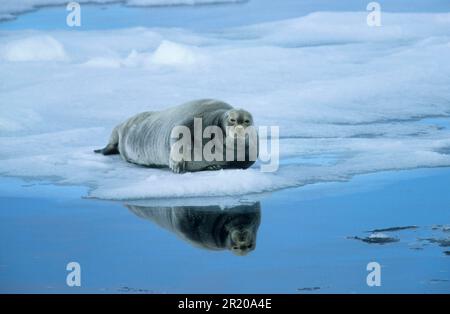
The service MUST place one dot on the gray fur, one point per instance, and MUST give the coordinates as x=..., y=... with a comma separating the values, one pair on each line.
x=144, y=139
x=208, y=227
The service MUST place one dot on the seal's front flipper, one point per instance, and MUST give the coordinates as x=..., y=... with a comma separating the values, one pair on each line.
x=177, y=166
x=108, y=150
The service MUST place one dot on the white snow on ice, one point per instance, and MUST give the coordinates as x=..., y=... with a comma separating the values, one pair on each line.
x=347, y=98
x=37, y=48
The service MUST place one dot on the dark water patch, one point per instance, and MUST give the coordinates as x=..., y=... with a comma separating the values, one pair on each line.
x=443, y=242
x=368, y=135
x=309, y=289
x=319, y=44
x=394, y=229
x=443, y=228
x=442, y=123
x=395, y=120
x=134, y=290
x=420, y=133
x=439, y=280
x=444, y=150
x=376, y=239
x=447, y=253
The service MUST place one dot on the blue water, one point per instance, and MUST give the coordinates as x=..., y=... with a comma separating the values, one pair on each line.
x=302, y=241
x=205, y=17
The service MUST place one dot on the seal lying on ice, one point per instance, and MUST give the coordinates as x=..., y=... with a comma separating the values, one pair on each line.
x=147, y=138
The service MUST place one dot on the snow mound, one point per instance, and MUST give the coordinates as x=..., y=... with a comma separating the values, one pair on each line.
x=170, y=53
x=36, y=48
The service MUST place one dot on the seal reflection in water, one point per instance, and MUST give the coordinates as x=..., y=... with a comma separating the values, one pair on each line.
x=208, y=227
x=146, y=138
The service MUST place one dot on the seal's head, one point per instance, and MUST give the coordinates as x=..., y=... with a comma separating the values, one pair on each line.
x=236, y=121
x=241, y=240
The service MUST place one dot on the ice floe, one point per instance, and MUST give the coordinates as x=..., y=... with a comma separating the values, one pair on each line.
x=348, y=99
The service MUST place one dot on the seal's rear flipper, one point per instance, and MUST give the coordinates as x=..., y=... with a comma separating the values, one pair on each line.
x=108, y=150
x=113, y=144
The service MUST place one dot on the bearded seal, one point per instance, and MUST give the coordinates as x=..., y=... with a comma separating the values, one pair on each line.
x=146, y=139
x=208, y=227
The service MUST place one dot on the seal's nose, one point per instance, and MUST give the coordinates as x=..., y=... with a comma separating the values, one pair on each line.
x=239, y=129
x=243, y=236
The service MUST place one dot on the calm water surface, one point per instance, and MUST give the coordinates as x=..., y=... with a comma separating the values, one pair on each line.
x=300, y=239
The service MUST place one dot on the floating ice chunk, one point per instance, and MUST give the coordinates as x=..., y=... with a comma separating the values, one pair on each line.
x=376, y=238
x=378, y=235
x=391, y=229
x=37, y=48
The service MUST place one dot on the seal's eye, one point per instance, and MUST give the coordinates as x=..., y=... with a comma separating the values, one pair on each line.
x=247, y=121
x=232, y=120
